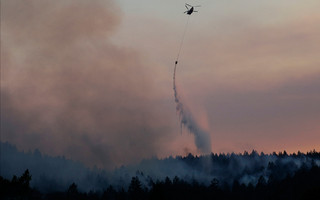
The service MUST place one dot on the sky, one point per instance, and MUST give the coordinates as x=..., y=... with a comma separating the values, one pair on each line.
x=92, y=80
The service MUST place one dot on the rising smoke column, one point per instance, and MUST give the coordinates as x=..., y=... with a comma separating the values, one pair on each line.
x=61, y=89
x=202, y=138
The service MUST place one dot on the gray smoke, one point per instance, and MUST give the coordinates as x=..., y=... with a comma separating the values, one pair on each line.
x=202, y=138
x=51, y=174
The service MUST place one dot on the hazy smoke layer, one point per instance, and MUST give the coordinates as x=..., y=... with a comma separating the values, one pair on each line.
x=202, y=138
x=57, y=173
x=67, y=89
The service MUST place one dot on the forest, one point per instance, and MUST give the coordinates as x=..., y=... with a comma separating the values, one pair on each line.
x=304, y=184
x=31, y=175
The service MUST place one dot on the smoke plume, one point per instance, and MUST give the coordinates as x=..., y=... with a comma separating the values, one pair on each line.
x=68, y=89
x=202, y=138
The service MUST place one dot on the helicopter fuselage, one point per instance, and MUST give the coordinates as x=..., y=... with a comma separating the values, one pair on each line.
x=190, y=11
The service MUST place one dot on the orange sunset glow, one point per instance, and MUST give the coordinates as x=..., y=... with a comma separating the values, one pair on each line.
x=95, y=84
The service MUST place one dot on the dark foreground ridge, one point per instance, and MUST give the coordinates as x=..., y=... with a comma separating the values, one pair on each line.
x=214, y=176
x=304, y=184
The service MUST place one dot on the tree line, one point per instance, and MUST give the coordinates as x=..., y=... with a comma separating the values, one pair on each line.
x=303, y=184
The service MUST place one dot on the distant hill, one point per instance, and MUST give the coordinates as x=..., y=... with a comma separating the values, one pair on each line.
x=57, y=173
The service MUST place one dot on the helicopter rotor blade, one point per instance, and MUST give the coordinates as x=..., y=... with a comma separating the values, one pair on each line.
x=197, y=6
x=188, y=5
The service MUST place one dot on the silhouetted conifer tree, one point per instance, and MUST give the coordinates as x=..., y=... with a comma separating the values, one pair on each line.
x=135, y=189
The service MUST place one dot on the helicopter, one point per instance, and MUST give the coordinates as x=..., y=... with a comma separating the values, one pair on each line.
x=190, y=9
